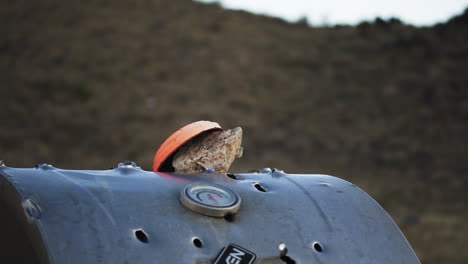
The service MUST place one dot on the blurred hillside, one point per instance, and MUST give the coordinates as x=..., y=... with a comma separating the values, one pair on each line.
x=86, y=84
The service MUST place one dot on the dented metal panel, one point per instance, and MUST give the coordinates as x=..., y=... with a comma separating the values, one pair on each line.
x=127, y=215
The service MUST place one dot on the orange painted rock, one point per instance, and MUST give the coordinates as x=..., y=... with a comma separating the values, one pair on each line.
x=163, y=158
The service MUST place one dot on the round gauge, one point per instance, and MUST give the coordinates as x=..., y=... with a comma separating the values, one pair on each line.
x=211, y=195
x=210, y=199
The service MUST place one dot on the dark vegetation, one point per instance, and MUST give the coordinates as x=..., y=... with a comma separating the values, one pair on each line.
x=86, y=84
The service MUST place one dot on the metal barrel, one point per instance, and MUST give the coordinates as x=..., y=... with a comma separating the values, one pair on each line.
x=128, y=215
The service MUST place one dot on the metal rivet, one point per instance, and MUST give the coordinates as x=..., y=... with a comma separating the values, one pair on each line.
x=209, y=170
x=44, y=166
x=32, y=209
x=283, y=257
x=283, y=249
x=265, y=170
x=127, y=164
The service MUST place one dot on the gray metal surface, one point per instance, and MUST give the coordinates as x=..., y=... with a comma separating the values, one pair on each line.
x=127, y=215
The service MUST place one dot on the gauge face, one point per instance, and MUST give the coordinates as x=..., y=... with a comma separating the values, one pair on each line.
x=211, y=195
x=210, y=199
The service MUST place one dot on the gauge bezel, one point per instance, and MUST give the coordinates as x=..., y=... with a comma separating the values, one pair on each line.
x=210, y=210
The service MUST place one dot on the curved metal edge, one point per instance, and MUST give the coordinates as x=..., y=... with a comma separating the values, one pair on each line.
x=376, y=203
x=12, y=200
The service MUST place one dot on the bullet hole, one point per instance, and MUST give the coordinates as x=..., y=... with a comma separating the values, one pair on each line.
x=317, y=246
x=141, y=235
x=197, y=242
x=230, y=217
x=259, y=187
x=232, y=176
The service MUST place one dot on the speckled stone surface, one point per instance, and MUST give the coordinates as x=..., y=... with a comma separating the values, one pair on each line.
x=214, y=149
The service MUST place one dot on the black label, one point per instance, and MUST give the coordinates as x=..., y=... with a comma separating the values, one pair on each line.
x=234, y=254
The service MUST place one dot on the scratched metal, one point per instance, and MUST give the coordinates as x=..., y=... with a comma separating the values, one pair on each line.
x=92, y=217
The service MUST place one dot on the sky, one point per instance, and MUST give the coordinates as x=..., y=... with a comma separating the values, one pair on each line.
x=330, y=12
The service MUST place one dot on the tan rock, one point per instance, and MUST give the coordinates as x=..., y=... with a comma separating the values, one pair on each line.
x=213, y=149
